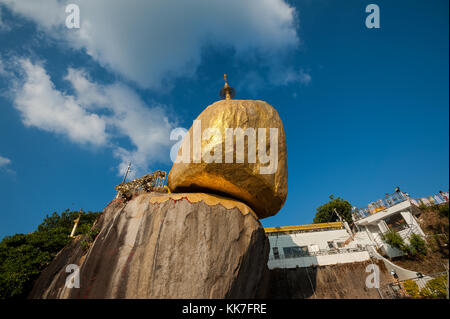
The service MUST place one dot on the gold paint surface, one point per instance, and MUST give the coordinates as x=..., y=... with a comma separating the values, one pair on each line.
x=264, y=193
x=210, y=200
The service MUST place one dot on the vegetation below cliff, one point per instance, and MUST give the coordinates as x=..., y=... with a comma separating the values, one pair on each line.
x=24, y=256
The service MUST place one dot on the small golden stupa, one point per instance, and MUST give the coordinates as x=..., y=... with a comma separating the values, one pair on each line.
x=237, y=149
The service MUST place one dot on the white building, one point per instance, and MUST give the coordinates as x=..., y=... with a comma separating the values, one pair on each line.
x=399, y=218
x=316, y=244
x=334, y=243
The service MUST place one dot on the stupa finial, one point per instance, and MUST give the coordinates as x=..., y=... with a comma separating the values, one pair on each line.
x=227, y=92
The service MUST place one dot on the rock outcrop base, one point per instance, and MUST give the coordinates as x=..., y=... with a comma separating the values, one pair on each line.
x=168, y=247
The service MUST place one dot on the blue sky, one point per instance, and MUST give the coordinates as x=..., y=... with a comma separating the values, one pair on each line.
x=364, y=110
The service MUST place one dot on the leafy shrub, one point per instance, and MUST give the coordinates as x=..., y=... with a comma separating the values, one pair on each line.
x=84, y=245
x=435, y=288
x=23, y=257
x=417, y=246
x=411, y=288
x=92, y=234
x=89, y=239
x=395, y=240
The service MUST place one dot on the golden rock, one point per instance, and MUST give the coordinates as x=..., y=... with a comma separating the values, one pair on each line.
x=235, y=148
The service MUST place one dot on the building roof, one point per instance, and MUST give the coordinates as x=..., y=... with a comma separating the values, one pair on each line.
x=301, y=228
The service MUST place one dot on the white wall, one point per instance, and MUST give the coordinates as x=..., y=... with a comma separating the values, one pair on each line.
x=411, y=220
x=391, y=251
x=339, y=258
x=316, y=241
x=378, y=227
x=375, y=234
x=363, y=238
x=319, y=238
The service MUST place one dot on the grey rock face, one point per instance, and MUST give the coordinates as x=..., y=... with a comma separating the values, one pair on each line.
x=171, y=249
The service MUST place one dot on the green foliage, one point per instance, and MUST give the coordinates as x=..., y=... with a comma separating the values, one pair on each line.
x=395, y=240
x=412, y=289
x=417, y=246
x=65, y=221
x=326, y=214
x=92, y=234
x=435, y=288
x=90, y=237
x=84, y=245
x=23, y=257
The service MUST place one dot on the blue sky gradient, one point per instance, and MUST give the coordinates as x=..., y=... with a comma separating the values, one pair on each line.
x=368, y=111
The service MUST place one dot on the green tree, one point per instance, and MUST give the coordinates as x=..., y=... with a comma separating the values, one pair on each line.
x=23, y=257
x=326, y=214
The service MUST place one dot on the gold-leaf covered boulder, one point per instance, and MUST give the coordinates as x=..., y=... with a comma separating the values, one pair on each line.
x=235, y=148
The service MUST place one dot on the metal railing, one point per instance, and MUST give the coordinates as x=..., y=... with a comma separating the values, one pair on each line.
x=379, y=205
x=431, y=200
x=397, y=198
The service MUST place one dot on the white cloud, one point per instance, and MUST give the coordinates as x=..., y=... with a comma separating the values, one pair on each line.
x=288, y=76
x=2, y=68
x=5, y=165
x=304, y=77
x=42, y=106
x=152, y=42
x=95, y=114
x=253, y=82
x=4, y=161
x=3, y=25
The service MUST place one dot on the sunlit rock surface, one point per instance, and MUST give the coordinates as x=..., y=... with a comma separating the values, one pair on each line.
x=264, y=193
x=166, y=246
